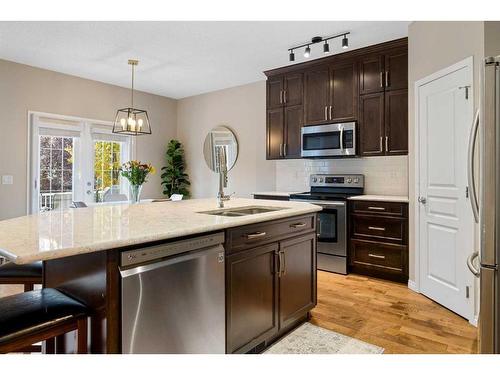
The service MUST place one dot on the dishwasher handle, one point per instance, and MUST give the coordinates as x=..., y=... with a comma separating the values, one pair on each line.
x=143, y=268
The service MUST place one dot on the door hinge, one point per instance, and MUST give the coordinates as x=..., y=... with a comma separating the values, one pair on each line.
x=466, y=91
x=466, y=192
x=467, y=293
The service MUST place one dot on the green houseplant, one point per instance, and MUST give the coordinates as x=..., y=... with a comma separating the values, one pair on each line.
x=174, y=178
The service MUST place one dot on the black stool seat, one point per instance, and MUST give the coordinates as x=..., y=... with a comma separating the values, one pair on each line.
x=34, y=310
x=21, y=271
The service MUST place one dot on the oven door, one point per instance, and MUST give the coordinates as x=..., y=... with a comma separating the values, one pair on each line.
x=328, y=140
x=331, y=227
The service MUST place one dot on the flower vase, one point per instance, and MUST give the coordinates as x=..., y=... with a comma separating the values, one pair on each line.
x=135, y=193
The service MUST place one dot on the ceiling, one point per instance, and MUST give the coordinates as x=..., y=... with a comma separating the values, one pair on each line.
x=177, y=59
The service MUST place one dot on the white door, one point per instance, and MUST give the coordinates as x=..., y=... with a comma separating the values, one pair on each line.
x=445, y=114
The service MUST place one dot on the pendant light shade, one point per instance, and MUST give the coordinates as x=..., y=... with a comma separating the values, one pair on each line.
x=345, y=42
x=307, y=52
x=130, y=120
x=326, y=47
x=292, y=56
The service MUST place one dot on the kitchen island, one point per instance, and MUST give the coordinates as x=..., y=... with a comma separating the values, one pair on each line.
x=270, y=260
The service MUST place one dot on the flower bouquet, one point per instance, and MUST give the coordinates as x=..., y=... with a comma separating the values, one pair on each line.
x=136, y=173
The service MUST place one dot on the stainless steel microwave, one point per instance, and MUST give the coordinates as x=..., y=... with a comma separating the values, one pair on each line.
x=329, y=140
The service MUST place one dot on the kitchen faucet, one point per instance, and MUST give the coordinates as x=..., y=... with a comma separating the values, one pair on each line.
x=222, y=164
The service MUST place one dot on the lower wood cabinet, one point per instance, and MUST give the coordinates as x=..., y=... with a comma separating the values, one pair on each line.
x=378, y=239
x=269, y=289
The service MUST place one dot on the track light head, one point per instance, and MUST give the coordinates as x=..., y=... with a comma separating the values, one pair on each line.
x=345, y=42
x=326, y=47
x=291, y=57
x=307, y=52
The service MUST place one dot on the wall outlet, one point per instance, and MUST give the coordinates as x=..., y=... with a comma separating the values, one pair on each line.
x=7, y=179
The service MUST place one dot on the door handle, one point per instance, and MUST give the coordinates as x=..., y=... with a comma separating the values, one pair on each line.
x=342, y=139
x=470, y=167
x=331, y=108
x=281, y=150
x=376, y=208
x=281, y=96
x=284, y=96
x=282, y=263
x=284, y=149
x=381, y=79
x=381, y=147
x=470, y=263
x=298, y=225
x=252, y=236
x=386, y=143
x=326, y=112
x=386, y=78
x=377, y=228
x=422, y=200
x=376, y=256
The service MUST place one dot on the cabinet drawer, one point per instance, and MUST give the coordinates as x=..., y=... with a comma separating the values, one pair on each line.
x=248, y=236
x=380, y=208
x=383, y=256
x=378, y=228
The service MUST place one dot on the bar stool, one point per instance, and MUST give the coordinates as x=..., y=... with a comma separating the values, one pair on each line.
x=40, y=315
x=21, y=274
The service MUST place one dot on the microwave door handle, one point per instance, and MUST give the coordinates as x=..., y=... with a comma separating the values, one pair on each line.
x=342, y=139
x=470, y=167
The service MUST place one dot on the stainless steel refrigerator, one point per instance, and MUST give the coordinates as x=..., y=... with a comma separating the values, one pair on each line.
x=487, y=212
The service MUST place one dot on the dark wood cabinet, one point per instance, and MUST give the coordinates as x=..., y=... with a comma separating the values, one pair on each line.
x=251, y=294
x=367, y=85
x=378, y=239
x=284, y=116
x=371, y=74
x=297, y=281
x=371, y=124
x=316, y=95
x=270, y=280
x=396, y=122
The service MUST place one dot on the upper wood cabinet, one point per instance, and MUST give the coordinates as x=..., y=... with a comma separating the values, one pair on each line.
x=284, y=116
x=368, y=85
x=330, y=94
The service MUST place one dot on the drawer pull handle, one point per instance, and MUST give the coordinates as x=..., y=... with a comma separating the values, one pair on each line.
x=376, y=256
x=298, y=225
x=376, y=208
x=377, y=228
x=252, y=236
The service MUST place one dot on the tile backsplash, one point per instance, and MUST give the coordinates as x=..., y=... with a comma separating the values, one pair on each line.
x=386, y=175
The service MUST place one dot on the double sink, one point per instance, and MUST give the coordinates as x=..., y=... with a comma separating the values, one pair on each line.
x=242, y=211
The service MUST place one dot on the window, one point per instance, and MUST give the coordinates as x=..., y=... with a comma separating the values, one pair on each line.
x=107, y=162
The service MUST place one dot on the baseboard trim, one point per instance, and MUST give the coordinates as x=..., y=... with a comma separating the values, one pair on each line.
x=413, y=286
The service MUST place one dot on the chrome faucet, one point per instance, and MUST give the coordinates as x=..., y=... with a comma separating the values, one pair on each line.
x=222, y=166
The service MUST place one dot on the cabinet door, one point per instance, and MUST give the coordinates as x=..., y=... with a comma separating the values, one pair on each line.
x=371, y=71
x=396, y=122
x=344, y=94
x=396, y=70
x=293, y=89
x=274, y=92
x=251, y=295
x=275, y=123
x=297, y=282
x=371, y=124
x=316, y=95
x=294, y=118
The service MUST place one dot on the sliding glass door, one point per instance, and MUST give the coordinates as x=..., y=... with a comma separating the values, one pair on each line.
x=75, y=160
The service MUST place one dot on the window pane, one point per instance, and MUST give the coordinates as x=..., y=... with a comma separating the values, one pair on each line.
x=107, y=163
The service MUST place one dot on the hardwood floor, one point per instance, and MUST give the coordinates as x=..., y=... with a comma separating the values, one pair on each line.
x=390, y=315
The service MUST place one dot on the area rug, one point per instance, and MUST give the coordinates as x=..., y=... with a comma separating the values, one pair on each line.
x=311, y=339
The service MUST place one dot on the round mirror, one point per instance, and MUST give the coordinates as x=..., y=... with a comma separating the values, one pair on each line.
x=220, y=147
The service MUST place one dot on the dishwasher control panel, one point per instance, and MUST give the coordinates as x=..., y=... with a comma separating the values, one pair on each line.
x=146, y=254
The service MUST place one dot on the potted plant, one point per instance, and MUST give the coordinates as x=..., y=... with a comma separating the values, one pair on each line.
x=174, y=178
x=136, y=173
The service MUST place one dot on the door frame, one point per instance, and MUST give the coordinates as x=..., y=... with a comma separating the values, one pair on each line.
x=465, y=63
x=82, y=124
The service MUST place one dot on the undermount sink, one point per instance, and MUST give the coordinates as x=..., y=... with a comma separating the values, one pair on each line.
x=243, y=211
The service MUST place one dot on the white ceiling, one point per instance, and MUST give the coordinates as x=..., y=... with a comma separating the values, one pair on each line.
x=177, y=59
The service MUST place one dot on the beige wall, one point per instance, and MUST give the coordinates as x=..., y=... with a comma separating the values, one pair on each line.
x=434, y=46
x=243, y=109
x=24, y=88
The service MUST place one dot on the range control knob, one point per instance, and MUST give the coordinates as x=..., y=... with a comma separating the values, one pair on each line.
x=356, y=180
x=349, y=180
x=321, y=179
x=315, y=179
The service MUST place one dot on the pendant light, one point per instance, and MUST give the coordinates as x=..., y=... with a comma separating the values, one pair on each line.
x=130, y=120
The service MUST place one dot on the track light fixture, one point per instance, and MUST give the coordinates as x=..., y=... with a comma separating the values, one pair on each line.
x=317, y=39
x=307, y=52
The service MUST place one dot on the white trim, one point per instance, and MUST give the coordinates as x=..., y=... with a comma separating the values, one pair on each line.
x=465, y=63
x=412, y=285
x=474, y=321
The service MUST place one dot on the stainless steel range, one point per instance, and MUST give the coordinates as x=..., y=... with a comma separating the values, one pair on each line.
x=331, y=191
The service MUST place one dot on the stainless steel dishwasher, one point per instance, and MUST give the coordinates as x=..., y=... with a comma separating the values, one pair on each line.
x=173, y=297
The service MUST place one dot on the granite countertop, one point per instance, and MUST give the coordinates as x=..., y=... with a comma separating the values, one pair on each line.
x=58, y=234
x=277, y=193
x=384, y=198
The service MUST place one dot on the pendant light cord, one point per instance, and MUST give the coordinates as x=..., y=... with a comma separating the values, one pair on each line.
x=133, y=68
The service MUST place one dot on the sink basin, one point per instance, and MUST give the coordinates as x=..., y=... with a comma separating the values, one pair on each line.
x=242, y=211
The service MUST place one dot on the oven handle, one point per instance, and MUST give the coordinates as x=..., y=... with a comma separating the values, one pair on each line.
x=320, y=203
